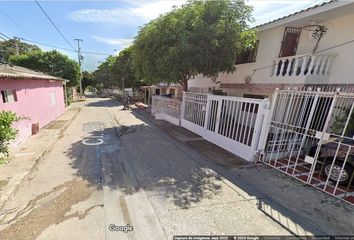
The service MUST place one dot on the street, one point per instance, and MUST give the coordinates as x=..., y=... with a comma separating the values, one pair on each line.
x=113, y=175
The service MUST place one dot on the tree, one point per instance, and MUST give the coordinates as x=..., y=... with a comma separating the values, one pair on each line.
x=53, y=63
x=201, y=37
x=103, y=74
x=8, y=48
x=122, y=70
x=87, y=79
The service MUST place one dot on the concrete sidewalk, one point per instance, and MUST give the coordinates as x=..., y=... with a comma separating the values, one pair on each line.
x=295, y=206
x=25, y=157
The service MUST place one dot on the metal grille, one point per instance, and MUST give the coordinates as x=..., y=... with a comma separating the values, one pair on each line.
x=232, y=123
x=311, y=138
x=237, y=118
x=195, y=108
x=166, y=105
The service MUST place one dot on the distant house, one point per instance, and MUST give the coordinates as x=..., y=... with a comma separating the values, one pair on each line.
x=36, y=96
x=310, y=48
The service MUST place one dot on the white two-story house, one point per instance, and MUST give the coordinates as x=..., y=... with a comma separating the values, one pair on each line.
x=313, y=47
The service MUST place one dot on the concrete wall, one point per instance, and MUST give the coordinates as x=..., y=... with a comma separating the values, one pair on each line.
x=340, y=29
x=33, y=102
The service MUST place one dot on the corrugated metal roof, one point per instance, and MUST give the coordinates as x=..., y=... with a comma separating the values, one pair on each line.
x=298, y=12
x=11, y=71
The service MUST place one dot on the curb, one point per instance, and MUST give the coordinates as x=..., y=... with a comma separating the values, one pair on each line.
x=18, y=181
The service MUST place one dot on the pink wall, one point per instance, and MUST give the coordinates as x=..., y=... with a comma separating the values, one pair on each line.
x=34, y=102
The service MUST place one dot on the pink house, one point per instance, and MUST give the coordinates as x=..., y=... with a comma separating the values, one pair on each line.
x=36, y=96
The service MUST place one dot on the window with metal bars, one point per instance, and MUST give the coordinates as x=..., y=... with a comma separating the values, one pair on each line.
x=8, y=96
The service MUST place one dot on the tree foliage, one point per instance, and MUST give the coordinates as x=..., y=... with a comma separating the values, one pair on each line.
x=8, y=48
x=201, y=37
x=117, y=71
x=103, y=74
x=122, y=69
x=52, y=62
x=87, y=79
x=7, y=133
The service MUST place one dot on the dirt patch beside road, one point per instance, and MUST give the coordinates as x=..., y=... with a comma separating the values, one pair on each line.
x=3, y=183
x=47, y=209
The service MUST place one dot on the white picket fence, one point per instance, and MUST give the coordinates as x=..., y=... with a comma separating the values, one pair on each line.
x=233, y=123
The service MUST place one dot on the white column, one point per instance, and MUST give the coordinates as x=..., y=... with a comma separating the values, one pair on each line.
x=288, y=68
x=275, y=67
x=282, y=67
x=318, y=64
x=323, y=65
x=303, y=65
x=296, y=63
x=328, y=65
x=312, y=62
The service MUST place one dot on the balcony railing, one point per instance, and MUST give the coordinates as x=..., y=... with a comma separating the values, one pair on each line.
x=302, y=65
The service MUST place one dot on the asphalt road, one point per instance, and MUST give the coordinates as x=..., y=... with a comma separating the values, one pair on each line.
x=112, y=175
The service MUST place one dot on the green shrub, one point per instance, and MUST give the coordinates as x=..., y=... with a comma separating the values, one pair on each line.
x=7, y=133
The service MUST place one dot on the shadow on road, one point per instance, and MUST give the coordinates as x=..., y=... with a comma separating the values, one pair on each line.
x=105, y=102
x=133, y=158
x=139, y=157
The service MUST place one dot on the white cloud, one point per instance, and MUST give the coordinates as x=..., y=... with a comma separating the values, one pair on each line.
x=137, y=12
x=122, y=42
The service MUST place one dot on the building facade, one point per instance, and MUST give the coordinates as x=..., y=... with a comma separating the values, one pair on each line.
x=312, y=47
x=34, y=96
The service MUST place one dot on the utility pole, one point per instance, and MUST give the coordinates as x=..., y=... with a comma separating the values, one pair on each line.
x=79, y=57
x=17, y=40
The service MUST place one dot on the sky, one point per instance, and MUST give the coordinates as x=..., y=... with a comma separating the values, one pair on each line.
x=106, y=27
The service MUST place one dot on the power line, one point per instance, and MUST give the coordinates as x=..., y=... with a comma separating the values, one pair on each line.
x=61, y=34
x=5, y=35
x=96, y=53
x=46, y=44
x=62, y=48
x=14, y=22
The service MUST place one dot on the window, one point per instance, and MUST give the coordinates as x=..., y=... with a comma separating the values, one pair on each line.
x=290, y=41
x=9, y=96
x=53, y=99
x=249, y=55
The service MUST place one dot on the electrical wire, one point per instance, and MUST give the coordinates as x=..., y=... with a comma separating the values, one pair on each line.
x=5, y=35
x=46, y=44
x=14, y=22
x=66, y=49
x=55, y=26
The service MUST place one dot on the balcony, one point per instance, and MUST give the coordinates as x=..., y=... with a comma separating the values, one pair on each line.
x=307, y=68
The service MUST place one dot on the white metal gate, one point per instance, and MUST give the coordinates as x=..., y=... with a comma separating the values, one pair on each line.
x=232, y=123
x=310, y=137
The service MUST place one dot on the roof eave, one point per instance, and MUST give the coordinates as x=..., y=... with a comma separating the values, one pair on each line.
x=305, y=13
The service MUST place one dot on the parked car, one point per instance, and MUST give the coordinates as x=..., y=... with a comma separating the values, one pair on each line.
x=327, y=155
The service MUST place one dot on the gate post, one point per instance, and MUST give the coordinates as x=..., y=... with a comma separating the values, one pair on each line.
x=207, y=111
x=218, y=113
x=268, y=114
x=183, y=107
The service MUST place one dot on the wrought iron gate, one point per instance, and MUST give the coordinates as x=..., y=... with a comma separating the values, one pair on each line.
x=311, y=137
